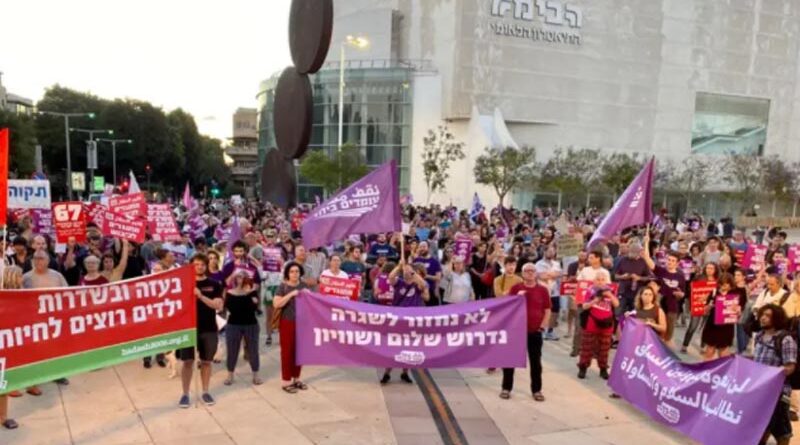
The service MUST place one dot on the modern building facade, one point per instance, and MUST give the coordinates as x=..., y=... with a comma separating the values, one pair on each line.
x=14, y=103
x=670, y=78
x=244, y=149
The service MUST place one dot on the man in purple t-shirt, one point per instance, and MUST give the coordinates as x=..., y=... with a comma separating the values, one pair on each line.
x=433, y=271
x=410, y=290
x=672, y=282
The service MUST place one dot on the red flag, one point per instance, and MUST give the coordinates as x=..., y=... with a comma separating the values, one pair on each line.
x=3, y=175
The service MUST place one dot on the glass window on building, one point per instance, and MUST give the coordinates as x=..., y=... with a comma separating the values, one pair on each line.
x=726, y=124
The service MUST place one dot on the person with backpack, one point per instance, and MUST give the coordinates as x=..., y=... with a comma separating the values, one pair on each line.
x=597, y=321
x=774, y=346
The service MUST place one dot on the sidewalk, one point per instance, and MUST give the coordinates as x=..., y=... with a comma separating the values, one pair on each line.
x=129, y=405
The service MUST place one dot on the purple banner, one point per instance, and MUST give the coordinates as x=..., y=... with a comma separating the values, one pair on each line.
x=463, y=248
x=369, y=205
x=724, y=401
x=482, y=334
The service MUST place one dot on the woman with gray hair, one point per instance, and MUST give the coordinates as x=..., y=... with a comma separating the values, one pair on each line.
x=458, y=288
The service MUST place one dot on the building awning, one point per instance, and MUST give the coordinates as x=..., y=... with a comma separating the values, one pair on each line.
x=490, y=130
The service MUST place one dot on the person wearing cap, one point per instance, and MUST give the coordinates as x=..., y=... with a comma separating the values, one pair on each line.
x=537, y=301
x=458, y=283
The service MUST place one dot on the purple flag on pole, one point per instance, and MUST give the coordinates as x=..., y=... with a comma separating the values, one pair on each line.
x=188, y=201
x=483, y=334
x=633, y=208
x=235, y=234
x=369, y=205
x=721, y=402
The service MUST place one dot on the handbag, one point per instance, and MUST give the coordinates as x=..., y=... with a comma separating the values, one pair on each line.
x=487, y=277
x=275, y=323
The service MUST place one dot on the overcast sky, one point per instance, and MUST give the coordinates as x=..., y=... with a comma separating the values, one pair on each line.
x=204, y=56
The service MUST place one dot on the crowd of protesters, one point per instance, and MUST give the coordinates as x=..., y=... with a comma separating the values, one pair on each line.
x=513, y=254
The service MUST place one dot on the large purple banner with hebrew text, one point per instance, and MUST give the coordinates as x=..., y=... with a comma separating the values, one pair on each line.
x=483, y=334
x=724, y=401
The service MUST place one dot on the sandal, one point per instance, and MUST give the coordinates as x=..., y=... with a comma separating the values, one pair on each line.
x=300, y=385
x=15, y=394
x=505, y=395
x=34, y=391
x=10, y=424
x=257, y=381
x=291, y=389
x=228, y=381
x=539, y=397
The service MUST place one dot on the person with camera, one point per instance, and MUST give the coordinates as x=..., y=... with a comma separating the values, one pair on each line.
x=598, y=330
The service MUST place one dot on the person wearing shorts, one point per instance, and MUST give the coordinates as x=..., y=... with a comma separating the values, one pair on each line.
x=209, y=302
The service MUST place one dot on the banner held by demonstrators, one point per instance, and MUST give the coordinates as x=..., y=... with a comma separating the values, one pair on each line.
x=132, y=205
x=721, y=402
x=4, y=205
x=347, y=288
x=161, y=222
x=633, y=208
x=53, y=333
x=700, y=292
x=123, y=227
x=482, y=334
x=70, y=221
x=369, y=205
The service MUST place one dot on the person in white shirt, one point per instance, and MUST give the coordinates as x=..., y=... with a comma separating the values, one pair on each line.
x=773, y=294
x=549, y=272
x=334, y=268
x=459, y=283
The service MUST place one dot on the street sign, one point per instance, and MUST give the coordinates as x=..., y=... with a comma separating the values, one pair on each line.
x=91, y=155
x=99, y=183
x=79, y=181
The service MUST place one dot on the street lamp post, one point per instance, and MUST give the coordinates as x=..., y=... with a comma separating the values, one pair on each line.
x=66, y=117
x=358, y=43
x=89, y=167
x=114, y=143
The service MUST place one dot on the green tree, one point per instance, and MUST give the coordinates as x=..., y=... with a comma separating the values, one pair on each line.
x=505, y=169
x=571, y=171
x=691, y=177
x=745, y=173
x=439, y=151
x=22, y=140
x=329, y=171
x=618, y=170
x=778, y=180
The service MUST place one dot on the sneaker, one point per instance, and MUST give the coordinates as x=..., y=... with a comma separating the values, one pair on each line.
x=385, y=379
x=162, y=362
x=62, y=381
x=581, y=373
x=505, y=395
x=147, y=363
x=604, y=374
x=554, y=336
x=184, y=402
x=207, y=399
x=404, y=377
x=547, y=336
x=614, y=344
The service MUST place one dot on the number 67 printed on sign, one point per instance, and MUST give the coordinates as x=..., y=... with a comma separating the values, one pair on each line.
x=69, y=220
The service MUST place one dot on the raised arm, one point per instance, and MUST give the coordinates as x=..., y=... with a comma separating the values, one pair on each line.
x=646, y=253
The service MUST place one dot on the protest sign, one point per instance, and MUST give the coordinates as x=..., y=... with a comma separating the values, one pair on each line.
x=161, y=223
x=123, y=227
x=720, y=402
x=686, y=266
x=463, y=248
x=348, y=288
x=726, y=309
x=96, y=213
x=42, y=220
x=29, y=194
x=481, y=334
x=69, y=220
x=273, y=259
x=132, y=205
x=586, y=288
x=384, y=294
x=755, y=258
x=739, y=255
x=700, y=292
x=793, y=258
x=569, y=245
x=568, y=288
x=51, y=333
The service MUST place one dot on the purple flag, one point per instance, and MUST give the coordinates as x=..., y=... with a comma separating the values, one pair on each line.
x=724, y=401
x=483, y=334
x=369, y=205
x=633, y=208
x=234, y=234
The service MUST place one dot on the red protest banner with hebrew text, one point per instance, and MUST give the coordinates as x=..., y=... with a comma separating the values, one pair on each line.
x=123, y=227
x=70, y=221
x=700, y=292
x=51, y=333
x=4, y=146
x=161, y=222
x=132, y=205
x=348, y=288
x=96, y=213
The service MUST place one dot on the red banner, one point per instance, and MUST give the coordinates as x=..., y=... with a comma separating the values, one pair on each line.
x=3, y=175
x=568, y=288
x=583, y=292
x=161, y=222
x=700, y=292
x=96, y=213
x=70, y=330
x=123, y=227
x=132, y=205
x=70, y=221
x=340, y=287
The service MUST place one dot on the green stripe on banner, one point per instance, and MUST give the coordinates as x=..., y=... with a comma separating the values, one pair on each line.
x=49, y=370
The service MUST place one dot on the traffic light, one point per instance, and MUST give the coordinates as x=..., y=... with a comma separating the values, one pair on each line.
x=123, y=188
x=147, y=168
x=214, y=189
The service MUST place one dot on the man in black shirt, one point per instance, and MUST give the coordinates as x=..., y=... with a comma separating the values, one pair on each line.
x=209, y=301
